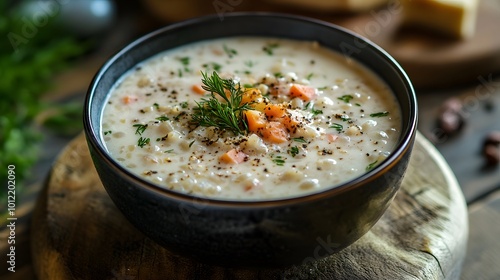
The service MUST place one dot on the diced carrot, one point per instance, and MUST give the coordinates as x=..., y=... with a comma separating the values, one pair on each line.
x=255, y=120
x=275, y=132
x=129, y=99
x=250, y=95
x=233, y=156
x=331, y=137
x=303, y=92
x=198, y=89
x=274, y=111
x=291, y=121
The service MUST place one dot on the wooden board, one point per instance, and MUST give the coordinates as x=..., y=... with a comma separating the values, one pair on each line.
x=78, y=233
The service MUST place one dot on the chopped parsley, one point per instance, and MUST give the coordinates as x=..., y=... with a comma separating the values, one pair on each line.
x=212, y=66
x=169, y=151
x=184, y=105
x=379, y=114
x=185, y=61
x=269, y=48
x=107, y=132
x=338, y=127
x=230, y=52
x=278, y=75
x=162, y=118
x=140, y=128
x=278, y=160
x=308, y=77
x=346, y=98
x=316, y=112
x=300, y=140
x=142, y=142
x=156, y=105
x=294, y=151
x=249, y=63
x=371, y=165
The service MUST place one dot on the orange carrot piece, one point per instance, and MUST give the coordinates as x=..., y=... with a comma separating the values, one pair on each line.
x=291, y=121
x=250, y=95
x=275, y=132
x=198, y=89
x=274, y=111
x=129, y=99
x=255, y=120
x=233, y=157
x=303, y=92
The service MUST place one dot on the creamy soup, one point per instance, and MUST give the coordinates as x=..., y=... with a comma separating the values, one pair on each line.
x=250, y=118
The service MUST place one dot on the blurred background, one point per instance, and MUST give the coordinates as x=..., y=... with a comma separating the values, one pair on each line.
x=50, y=50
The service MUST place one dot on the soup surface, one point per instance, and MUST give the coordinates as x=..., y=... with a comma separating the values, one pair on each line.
x=249, y=118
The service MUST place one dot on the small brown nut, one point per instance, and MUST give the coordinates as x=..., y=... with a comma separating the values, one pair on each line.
x=450, y=122
x=452, y=104
x=451, y=119
x=493, y=139
x=491, y=154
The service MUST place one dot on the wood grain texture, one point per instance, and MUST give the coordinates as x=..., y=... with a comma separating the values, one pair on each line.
x=81, y=235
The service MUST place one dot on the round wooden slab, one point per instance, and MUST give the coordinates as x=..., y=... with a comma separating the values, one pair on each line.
x=78, y=233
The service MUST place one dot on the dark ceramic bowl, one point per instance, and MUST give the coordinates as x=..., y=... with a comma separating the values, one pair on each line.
x=264, y=233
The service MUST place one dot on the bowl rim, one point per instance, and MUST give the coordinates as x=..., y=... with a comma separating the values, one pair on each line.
x=407, y=135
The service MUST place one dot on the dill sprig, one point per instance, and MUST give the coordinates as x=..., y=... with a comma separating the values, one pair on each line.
x=226, y=114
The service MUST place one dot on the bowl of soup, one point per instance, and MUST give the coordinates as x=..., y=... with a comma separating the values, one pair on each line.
x=255, y=140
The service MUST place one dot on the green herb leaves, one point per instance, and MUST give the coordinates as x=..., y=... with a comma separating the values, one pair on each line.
x=226, y=113
x=139, y=129
x=379, y=114
x=346, y=98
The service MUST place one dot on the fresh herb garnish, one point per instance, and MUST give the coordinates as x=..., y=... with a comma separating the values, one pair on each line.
x=108, y=132
x=191, y=144
x=294, y=151
x=142, y=142
x=156, y=105
x=162, y=118
x=278, y=160
x=316, y=112
x=212, y=66
x=346, y=98
x=249, y=63
x=140, y=128
x=300, y=140
x=184, y=105
x=269, y=48
x=185, y=61
x=278, y=75
x=371, y=165
x=379, y=114
x=309, y=76
x=337, y=127
x=169, y=151
x=230, y=52
x=225, y=114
